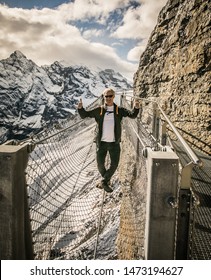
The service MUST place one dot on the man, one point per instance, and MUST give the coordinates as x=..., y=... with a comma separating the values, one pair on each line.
x=108, y=133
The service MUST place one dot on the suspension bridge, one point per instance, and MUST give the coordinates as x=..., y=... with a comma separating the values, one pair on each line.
x=160, y=207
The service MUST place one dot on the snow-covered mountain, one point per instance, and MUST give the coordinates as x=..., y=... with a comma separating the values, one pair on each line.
x=33, y=97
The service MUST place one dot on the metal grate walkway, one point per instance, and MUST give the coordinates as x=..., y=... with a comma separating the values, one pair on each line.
x=200, y=246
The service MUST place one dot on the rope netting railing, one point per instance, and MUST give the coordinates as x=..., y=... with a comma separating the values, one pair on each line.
x=199, y=246
x=63, y=199
x=133, y=178
x=65, y=204
x=198, y=208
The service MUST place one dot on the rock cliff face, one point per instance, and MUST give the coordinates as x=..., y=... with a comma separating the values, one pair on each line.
x=175, y=68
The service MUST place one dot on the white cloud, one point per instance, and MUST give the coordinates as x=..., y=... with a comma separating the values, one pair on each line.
x=139, y=22
x=135, y=53
x=92, y=33
x=47, y=35
x=86, y=9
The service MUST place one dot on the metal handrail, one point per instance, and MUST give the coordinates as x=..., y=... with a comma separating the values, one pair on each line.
x=188, y=149
x=136, y=133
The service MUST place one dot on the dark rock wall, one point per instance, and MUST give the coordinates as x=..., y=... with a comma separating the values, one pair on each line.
x=175, y=68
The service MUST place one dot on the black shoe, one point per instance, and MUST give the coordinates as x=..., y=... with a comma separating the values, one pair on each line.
x=105, y=185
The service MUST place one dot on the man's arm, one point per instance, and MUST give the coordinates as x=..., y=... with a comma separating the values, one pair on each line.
x=134, y=113
x=83, y=113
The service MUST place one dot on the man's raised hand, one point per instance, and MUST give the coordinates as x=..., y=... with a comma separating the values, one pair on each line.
x=137, y=104
x=80, y=104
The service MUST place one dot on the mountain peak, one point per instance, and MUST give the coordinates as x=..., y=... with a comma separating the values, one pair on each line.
x=20, y=61
x=18, y=54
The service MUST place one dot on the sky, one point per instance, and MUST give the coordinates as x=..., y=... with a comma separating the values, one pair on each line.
x=96, y=33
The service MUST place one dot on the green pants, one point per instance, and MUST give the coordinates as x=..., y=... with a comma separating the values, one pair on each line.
x=113, y=150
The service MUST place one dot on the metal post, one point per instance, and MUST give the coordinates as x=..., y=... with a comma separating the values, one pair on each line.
x=156, y=122
x=184, y=213
x=162, y=173
x=163, y=134
x=15, y=233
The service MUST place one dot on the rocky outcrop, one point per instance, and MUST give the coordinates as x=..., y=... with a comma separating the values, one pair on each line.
x=175, y=68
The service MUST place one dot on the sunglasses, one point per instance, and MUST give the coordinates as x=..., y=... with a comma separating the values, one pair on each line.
x=108, y=96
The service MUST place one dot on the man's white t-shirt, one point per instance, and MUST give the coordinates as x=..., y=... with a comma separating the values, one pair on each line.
x=108, y=125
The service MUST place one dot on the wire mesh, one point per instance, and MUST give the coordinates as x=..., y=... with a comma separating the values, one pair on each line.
x=61, y=172
x=64, y=202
